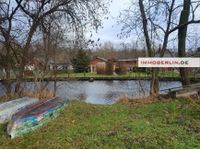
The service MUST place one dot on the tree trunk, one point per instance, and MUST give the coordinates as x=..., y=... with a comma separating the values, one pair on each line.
x=8, y=83
x=145, y=28
x=154, y=87
x=8, y=67
x=182, y=32
x=19, y=80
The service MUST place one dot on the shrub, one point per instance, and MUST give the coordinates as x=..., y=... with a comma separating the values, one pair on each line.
x=121, y=71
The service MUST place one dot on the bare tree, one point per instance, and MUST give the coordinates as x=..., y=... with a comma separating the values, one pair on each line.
x=21, y=21
x=154, y=88
x=157, y=19
x=8, y=34
x=52, y=35
x=77, y=14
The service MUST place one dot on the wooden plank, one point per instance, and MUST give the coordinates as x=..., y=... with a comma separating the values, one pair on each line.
x=186, y=91
x=187, y=94
x=191, y=86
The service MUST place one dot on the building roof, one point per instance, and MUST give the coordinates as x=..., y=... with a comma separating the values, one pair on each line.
x=103, y=59
x=127, y=60
x=116, y=60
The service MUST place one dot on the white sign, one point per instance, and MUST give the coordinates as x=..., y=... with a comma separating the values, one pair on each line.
x=168, y=62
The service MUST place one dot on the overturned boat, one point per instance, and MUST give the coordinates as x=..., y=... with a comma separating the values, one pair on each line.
x=34, y=116
x=7, y=109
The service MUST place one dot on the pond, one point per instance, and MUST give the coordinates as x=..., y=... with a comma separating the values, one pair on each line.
x=104, y=92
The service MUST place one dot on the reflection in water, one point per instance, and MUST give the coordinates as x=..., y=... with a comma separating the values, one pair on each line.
x=107, y=92
x=103, y=92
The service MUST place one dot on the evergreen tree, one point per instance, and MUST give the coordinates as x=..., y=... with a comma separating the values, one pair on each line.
x=81, y=61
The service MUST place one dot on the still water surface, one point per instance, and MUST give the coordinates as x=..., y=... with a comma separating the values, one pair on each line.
x=104, y=92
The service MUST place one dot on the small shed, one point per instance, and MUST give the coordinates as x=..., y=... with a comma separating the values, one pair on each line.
x=96, y=63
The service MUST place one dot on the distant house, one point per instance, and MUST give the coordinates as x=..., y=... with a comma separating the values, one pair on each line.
x=96, y=63
x=127, y=64
x=30, y=67
x=101, y=63
x=2, y=73
x=60, y=66
x=34, y=64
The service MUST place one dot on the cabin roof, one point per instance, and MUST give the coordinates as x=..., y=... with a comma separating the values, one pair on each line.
x=103, y=59
x=127, y=60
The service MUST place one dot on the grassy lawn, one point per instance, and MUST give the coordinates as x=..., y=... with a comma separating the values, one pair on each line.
x=135, y=74
x=74, y=75
x=64, y=74
x=163, y=124
x=128, y=75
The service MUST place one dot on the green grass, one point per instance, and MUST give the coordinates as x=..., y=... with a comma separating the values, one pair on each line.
x=169, y=124
x=128, y=75
x=169, y=74
x=136, y=74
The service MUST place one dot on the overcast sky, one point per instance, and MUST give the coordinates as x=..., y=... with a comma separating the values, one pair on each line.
x=111, y=29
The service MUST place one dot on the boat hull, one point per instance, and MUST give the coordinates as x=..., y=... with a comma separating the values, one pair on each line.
x=35, y=116
x=7, y=109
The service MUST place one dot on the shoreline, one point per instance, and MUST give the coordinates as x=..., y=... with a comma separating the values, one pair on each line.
x=103, y=79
